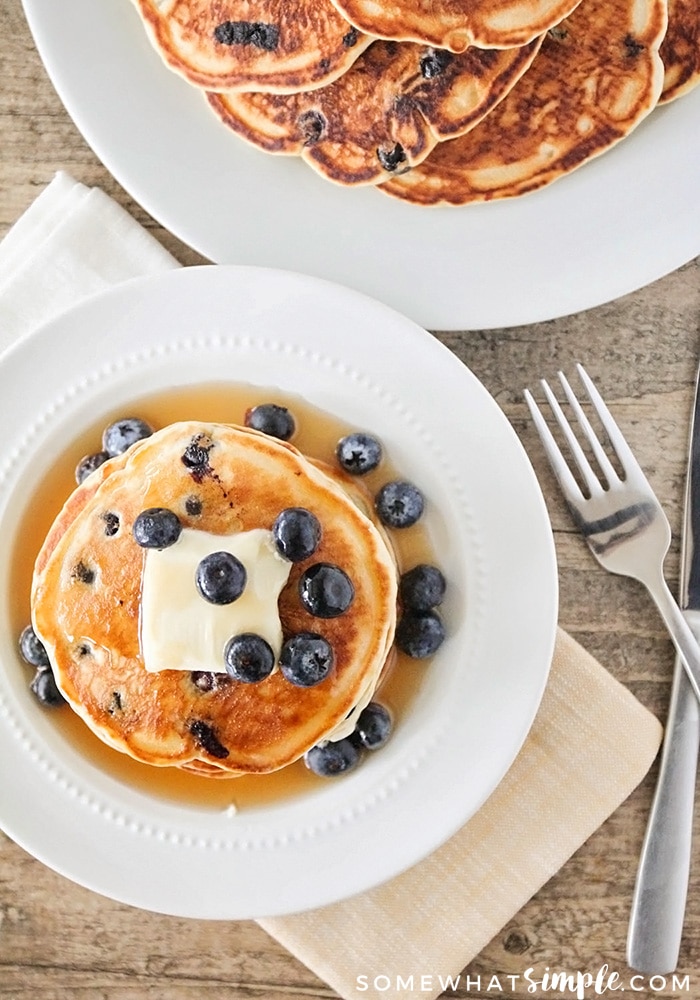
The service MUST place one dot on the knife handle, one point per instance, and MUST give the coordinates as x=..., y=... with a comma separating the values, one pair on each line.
x=658, y=905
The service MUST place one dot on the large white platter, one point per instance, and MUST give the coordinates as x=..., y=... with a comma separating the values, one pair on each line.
x=490, y=532
x=618, y=223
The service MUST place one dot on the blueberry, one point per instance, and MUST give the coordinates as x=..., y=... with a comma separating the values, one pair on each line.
x=326, y=591
x=193, y=506
x=271, y=419
x=123, y=433
x=312, y=125
x=296, y=533
x=111, y=522
x=157, y=528
x=203, y=680
x=44, y=687
x=205, y=737
x=435, y=62
x=399, y=504
x=373, y=727
x=83, y=573
x=330, y=759
x=249, y=658
x=221, y=578
x=306, y=659
x=359, y=453
x=420, y=633
x=256, y=33
x=392, y=158
x=88, y=464
x=422, y=588
x=196, y=456
x=32, y=648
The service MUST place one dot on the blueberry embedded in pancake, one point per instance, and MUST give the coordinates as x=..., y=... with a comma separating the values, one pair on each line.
x=384, y=115
x=89, y=622
x=266, y=45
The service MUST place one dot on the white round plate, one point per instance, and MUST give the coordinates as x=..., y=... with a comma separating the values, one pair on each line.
x=374, y=369
x=616, y=224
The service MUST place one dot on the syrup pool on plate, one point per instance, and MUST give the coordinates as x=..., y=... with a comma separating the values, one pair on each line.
x=316, y=435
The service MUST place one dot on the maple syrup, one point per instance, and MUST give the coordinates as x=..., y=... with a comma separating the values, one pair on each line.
x=316, y=435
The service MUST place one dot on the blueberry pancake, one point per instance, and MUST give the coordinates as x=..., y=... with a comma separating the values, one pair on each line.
x=595, y=78
x=457, y=24
x=384, y=115
x=211, y=599
x=264, y=45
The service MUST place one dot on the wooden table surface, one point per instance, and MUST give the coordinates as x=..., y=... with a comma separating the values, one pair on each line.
x=61, y=941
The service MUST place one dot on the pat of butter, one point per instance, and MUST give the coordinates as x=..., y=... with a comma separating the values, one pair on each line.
x=180, y=630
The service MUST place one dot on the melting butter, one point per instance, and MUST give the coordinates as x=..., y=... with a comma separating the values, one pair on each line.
x=180, y=630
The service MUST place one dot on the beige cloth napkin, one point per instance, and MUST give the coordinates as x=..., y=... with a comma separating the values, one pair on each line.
x=591, y=744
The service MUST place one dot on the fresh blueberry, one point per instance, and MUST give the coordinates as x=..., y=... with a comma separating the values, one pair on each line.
x=157, y=528
x=123, y=433
x=32, y=648
x=373, y=727
x=420, y=633
x=399, y=504
x=249, y=658
x=330, y=759
x=88, y=464
x=326, y=591
x=422, y=588
x=271, y=419
x=44, y=687
x=306, y=659
x=359, y=453
x=221, y=578
x=296, y=533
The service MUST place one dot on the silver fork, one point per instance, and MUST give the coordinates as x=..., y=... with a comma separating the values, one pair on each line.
x=618, y=515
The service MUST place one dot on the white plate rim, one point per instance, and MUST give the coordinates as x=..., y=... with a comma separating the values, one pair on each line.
x=177, y=326
x=616, y=224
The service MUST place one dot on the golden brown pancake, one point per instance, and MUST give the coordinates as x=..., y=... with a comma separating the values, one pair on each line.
x=457, y=24
x=266, y=45
x=384, y=115
x=680, y=49
x=86, y=603
x=596, y=76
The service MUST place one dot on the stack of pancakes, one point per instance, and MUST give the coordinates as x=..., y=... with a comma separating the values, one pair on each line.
x=452, y=101
x=86, y=602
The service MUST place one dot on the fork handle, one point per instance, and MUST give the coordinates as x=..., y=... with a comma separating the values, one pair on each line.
x=658, y=904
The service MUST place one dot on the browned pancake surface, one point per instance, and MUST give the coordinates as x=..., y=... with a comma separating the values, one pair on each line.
x=384, y=115
x=457, y=24
x=86, y=602
x=680, y=49
x=595, y=78
x=268, y=45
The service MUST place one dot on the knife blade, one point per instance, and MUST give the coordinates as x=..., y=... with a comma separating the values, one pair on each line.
x=658, y=905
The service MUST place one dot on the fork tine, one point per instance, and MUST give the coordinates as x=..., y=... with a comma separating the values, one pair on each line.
x=584, y=466
x=559, y=464
x=601, y=458
x=624, y=452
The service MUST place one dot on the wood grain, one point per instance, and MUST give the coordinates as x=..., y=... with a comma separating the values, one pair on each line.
x=60, y=941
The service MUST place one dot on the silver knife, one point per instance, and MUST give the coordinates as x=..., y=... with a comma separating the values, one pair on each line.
x=658, y=905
